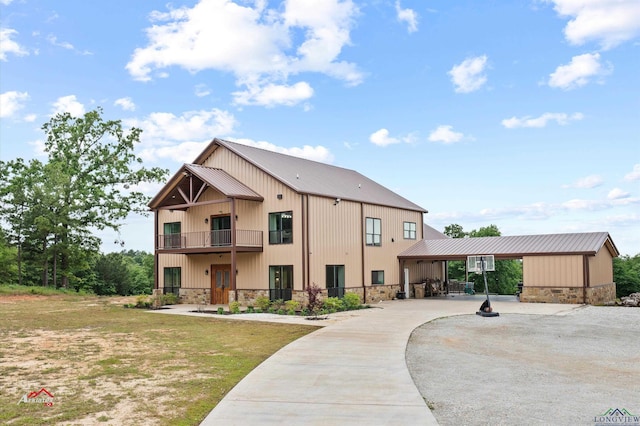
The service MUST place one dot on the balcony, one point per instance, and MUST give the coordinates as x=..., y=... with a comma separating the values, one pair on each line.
x=210, y=242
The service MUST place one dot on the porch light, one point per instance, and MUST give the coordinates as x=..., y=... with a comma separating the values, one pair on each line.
x=279, y=196
x=206, y=220
x=206, y=272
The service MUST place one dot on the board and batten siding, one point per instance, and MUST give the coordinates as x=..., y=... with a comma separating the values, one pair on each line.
x=600, y=268
x=335, y=238
x=553, y=271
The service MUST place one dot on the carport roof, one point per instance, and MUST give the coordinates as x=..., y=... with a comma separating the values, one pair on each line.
x=511, y=247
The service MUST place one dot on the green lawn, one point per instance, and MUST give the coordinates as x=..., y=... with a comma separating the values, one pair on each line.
x=110, y=365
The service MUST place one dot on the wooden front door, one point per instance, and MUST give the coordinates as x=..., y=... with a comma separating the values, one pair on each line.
x=220, y=282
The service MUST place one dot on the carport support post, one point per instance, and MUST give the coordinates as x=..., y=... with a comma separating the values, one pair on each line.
x=482, y=312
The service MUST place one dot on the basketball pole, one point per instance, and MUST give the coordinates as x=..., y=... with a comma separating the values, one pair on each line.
x=486, y=290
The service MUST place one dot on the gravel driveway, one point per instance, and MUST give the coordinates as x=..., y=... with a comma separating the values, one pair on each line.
x=519, y=369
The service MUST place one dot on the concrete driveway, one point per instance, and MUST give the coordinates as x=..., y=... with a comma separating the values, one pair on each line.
x=353, y=371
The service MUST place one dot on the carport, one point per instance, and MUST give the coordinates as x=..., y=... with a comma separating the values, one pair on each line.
x=556, y=268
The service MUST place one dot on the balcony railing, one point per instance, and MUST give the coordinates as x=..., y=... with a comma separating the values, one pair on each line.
x=209, y=239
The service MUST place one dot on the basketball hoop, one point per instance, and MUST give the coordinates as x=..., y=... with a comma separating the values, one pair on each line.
x=480, y=265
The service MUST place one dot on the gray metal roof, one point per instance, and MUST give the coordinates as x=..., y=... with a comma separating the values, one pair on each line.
x=312, y=177
x=510, y=247
x=431, y=233
x=172, y=193
x=223, y=182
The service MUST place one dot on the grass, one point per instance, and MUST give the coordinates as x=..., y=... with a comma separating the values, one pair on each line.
x=107, y=364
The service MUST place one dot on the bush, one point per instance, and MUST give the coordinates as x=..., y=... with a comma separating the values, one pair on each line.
x=263, y=303
x=220, y=310
x=250, y=309
x=169, y=299
x=143, y=302
x=314, y=300
x=351, y=301
x=332, y=304
x=292, y=306
x=234, y=307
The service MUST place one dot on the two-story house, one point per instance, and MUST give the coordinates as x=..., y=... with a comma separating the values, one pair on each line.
x=242, y=222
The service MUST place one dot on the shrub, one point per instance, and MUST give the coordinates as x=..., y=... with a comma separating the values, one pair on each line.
x=351, y=301
x=220, y=310
x=234, y=307
x=143, y=302
x=292, y=306
x=250, y=309
x=332, y=304
x=314, y=299
x=263, y=303
x=169, y=299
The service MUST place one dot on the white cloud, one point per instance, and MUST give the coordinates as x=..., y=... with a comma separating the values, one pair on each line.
x=7, y=45
x=260, y=45
x=468, y=76
x=382, y=138
x=617, y=194
x=608, y=22
x=126, y=104
x=445, y=134
x=53, y=40
x=527, y=121
x=6, y=2
x=30, y=118
x=201, y=90
x=68, y=104
x=11, y=102
x=634, y=174
x=586, y=182
x=579, y=71
x=315, y=153
x=191, y=125
x=270, y=94
x=407, y=15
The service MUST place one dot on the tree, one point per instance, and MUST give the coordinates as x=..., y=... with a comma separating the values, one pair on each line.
x=88, y=183
x=507, y=274
x=626, y=275
x=8, y=261
x=454, y=231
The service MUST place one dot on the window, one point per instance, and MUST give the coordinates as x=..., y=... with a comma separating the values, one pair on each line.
x=172, y=279
x=280, y=282
x=281, y=228
x=335, y=280
x=409, y=230
x=377, y=277
x=172, y=235
x=373, y=229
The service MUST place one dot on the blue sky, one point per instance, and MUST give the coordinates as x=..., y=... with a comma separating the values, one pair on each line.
x=522, y=114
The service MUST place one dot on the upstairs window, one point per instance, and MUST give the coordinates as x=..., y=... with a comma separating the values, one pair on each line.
x=172, y=237
x=281, y=228
x=373, y=229
x=409, y=230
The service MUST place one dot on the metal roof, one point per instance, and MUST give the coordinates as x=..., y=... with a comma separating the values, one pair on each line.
x=431, y=233
x=223, y=182
x=315, y=178
x=172, y=193
x=510, y=247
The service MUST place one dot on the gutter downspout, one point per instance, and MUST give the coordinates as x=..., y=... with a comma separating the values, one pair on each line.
x=304, y=249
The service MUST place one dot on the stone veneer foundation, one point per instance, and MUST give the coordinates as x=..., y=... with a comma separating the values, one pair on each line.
x=598, y=295
x=248, y=297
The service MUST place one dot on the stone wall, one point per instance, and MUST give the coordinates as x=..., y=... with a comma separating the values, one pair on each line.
x=195, y=296
x=377, y=293
x=599, y=295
